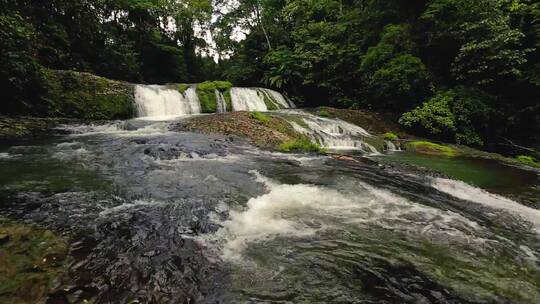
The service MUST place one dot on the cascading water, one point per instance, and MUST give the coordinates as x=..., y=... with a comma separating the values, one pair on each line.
x=390, y=146
x=161, y=101
x=246, y=99
x=221, y=104
x=333, y=134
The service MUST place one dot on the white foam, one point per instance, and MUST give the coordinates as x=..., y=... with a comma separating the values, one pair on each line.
x=303, y=210
x=467, y=192
x=6, y=155
x=162, y=101
x=247, y=99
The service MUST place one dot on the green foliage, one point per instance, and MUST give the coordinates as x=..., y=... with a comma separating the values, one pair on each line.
x=459, y=115
x=259, y=117
x=390, y=136
x=427, y=147
x=300, y=145
x=21, y=76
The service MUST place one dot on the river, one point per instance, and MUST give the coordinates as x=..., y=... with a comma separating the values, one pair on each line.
x=161, y=216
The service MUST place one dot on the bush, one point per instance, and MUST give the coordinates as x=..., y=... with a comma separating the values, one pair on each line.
x=459, y=115
x=300, y=145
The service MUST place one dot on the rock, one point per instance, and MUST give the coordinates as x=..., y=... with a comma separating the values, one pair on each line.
x=4, y=238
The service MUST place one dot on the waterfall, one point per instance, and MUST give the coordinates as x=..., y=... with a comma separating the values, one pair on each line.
x=390, y=146
x=278, y=98
x=162, y=101
x=247, y=99
x=333, y=134
x=221, y=104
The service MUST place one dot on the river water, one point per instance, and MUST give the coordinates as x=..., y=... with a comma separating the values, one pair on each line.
x=160, y=216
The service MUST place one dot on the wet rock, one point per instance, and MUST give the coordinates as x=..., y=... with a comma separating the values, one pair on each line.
x=4, y=238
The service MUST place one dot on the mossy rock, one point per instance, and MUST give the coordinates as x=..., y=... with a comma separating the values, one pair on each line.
x=390, y=136
x=426, y=147
x=528, y=160
x=300, y=145
x=32, y=260
x=83, y=95
x=206, y=92
x=262, y=118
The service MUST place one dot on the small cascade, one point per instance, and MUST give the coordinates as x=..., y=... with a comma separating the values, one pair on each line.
x=333, y=134
x=247, y=99
x=221, y=103
x=278, y=98
x=390, y=146
x=162, y=101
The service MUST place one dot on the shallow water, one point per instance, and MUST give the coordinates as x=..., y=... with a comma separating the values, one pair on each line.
x=168, y=217
x=488, y=174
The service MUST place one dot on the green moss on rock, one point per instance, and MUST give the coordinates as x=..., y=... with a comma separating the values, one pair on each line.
x=300, y=145
x=390, y=136
x=206, y=92
x=427, y=147
x=182, y=87
x=32, y=260
x=83, y=95
x=528, y=160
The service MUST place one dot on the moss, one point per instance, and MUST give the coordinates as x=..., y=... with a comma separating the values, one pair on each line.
x=228, y=100
x=270, y=103
x=528, y=160
x=323, y=113
x=427, y=147
x=206, y=92
x=259, y=117
x=390, y=136
x=31, y=261
x=299, y=121
x=182, y=87
x=300, y=145
x=82, y=95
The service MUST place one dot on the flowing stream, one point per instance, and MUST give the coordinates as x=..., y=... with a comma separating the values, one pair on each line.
x=161, y=216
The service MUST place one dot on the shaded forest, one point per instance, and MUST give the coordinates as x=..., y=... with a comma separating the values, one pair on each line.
x=455, y=70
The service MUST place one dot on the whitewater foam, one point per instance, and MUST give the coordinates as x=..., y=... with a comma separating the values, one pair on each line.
x=303, y=210
x=467, y=192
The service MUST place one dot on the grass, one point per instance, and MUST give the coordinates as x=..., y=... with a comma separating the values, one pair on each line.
x=390, y=136
x=263, y=118
x=300, y=145
x=427, y=147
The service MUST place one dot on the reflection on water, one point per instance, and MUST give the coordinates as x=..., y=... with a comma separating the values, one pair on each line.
x=178, y=217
